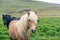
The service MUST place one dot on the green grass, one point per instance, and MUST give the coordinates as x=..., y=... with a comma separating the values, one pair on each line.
x=48, y=28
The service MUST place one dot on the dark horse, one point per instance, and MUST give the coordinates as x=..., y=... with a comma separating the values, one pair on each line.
x=7, y=19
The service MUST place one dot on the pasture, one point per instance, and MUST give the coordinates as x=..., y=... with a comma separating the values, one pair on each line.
x=47, y=29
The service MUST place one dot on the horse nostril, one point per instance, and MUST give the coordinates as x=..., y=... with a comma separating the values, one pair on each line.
x=33, y=31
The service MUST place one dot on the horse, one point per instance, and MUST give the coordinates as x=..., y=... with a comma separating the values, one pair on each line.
x=7, y=19
x=20, y=29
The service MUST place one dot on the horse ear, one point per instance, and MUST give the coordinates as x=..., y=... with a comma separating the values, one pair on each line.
x=28, y=13
x=3, y=15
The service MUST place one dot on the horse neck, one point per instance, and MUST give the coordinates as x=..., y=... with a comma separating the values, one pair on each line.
x=22, y=28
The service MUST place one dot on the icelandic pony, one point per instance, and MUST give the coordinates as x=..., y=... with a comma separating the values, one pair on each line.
x=20, y=29
x=7, y=19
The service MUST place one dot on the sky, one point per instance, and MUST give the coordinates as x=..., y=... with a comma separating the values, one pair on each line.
x=50, y=1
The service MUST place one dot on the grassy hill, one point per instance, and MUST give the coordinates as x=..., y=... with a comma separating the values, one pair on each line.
x=22, y=4
x=43, y=9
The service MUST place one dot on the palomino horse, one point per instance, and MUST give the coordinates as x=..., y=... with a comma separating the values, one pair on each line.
x=20, y=29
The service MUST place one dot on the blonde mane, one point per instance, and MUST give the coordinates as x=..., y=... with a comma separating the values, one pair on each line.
x=21, y=25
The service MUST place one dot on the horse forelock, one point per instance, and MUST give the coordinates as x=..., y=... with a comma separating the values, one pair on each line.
x=33, y=16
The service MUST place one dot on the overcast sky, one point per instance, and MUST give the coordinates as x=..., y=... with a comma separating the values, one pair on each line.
x=50, y=1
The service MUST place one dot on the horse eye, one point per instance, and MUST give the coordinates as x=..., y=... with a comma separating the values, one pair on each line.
x=28, y=20
x=38, y=20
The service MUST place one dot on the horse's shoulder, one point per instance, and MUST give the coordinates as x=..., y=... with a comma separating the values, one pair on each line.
x=13, y=22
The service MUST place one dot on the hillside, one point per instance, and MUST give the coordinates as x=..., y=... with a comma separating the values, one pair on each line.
x=22, y=4
x=45, y=9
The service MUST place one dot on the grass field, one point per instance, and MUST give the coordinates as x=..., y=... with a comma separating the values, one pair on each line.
x=49, y=15
x=47, y=29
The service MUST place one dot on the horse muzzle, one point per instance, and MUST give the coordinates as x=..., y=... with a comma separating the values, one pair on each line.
x=33, y=31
